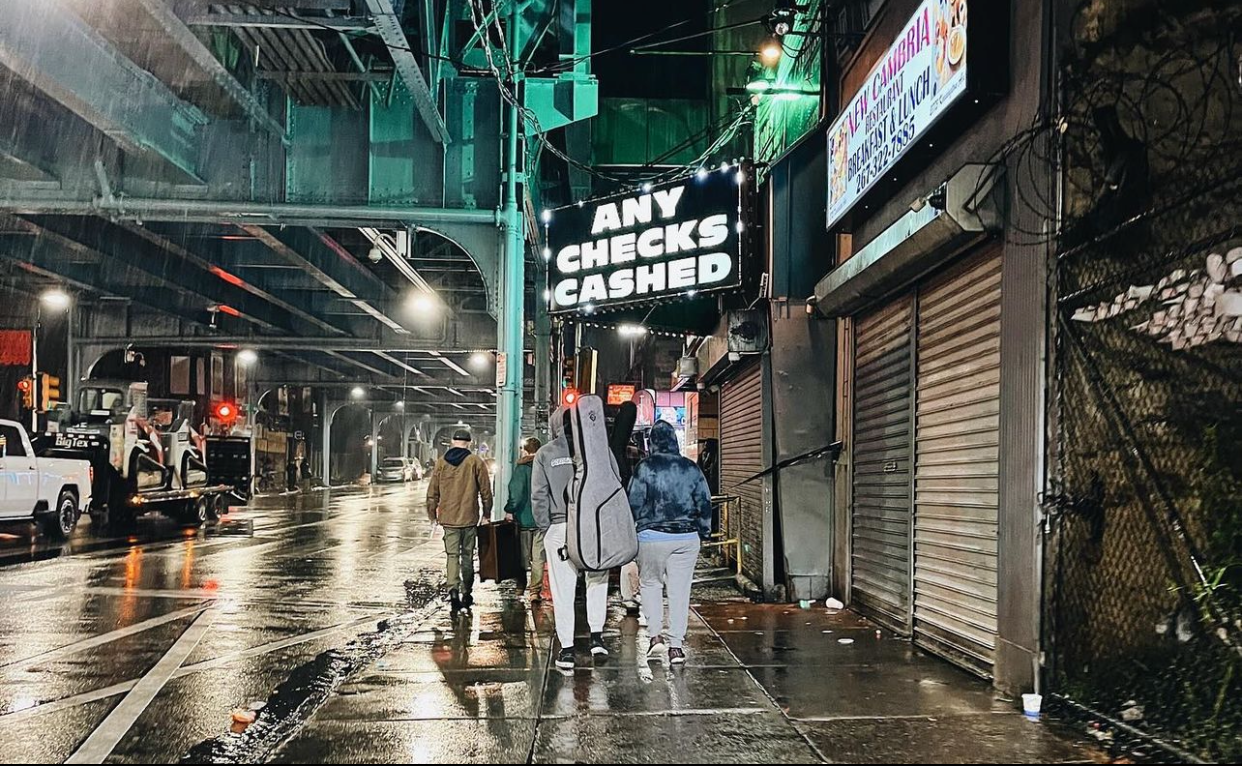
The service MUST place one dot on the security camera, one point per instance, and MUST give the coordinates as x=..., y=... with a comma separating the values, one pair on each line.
x=375, y=255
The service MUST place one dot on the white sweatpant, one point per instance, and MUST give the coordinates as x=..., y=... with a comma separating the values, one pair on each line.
x=668, y=564
x=563, y=578
x=631, y=584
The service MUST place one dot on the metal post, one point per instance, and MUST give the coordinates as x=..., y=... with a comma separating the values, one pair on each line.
x=375, y=430
x=71, y=357
x=543, y=366
x=34, y=370
x=512, y=292
x=326, y=414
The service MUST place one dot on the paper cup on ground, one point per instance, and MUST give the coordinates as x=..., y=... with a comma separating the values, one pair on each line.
x=1031, y=703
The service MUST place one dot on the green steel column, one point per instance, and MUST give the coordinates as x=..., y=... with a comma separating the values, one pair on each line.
x=512, y=302
x=543, y=364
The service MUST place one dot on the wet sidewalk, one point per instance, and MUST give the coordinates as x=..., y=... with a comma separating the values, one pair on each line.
x=766, y=684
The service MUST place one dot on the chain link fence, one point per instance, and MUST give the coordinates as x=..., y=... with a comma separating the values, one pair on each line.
x=1144, y=560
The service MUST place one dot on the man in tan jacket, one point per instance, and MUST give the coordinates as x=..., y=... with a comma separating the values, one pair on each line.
x=458, y=498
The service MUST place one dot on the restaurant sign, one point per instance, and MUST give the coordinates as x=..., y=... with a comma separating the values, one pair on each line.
x=913, y=85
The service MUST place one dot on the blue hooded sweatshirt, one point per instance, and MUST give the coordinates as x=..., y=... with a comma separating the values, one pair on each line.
x=668, y=492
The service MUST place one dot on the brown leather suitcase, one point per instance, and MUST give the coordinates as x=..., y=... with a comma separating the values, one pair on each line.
x=500, y=552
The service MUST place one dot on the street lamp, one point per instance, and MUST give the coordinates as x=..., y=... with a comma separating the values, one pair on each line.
x=423, y=303
x=357, y=392
x=400, y=405
x=247, y=357
x=770, y=52
x=56, y=300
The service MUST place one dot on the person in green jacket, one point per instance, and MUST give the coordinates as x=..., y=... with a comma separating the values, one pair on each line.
x=518, y=508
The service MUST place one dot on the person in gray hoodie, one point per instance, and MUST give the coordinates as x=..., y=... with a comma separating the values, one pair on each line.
x=551, y=475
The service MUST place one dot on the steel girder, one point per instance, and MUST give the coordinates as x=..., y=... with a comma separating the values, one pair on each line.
x=181, y=34
x=52, y=48
x=388, y=24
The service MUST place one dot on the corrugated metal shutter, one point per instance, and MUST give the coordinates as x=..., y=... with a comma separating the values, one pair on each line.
x=957, y=438
x=880, y=517
x=741, y=457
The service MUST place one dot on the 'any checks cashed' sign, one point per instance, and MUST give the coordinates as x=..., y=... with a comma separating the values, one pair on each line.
x=677, y=239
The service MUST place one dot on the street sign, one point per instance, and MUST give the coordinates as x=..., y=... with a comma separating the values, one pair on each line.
x=502, y=369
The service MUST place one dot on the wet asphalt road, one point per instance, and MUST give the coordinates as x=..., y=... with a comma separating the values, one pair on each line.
x=243, y=603
x=325, y=608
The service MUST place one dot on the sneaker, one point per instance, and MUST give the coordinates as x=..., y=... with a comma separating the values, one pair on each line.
x=467, y=601
x=565, y=660
x=454, y=602
x=677, y=656
x=657, y=649
x=597, y=645
x=631, y=607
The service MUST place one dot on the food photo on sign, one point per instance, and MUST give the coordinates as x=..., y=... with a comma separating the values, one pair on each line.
x=921, y=75
x=678, y=238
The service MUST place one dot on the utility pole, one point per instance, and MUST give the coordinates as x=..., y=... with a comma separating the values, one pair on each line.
x=511, y=320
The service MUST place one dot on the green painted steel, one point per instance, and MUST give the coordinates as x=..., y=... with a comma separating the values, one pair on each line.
x=510, y=318
x=638, y=131
x=405, y=164
x=327, y=162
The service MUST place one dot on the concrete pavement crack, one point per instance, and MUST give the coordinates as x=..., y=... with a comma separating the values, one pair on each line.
x=310, y=685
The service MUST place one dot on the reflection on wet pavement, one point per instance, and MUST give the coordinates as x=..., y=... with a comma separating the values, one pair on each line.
x=322, y=614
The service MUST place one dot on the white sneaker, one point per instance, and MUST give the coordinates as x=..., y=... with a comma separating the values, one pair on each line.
x=657, y=649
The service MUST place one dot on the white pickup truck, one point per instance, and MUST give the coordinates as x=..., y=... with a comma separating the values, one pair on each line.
x=51, y=491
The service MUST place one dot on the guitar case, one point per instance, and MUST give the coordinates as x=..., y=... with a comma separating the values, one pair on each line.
x=600, y=534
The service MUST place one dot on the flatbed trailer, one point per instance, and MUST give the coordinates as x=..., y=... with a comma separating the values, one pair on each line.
x=122, y=498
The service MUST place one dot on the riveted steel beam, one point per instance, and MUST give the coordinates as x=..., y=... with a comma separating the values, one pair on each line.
x=56, y=51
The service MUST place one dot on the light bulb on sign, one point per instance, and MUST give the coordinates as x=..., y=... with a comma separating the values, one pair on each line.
x=547, y=216
x=701, y=174
x=647, y=188
x=547, y=253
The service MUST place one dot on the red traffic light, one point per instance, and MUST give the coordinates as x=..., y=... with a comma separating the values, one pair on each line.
x=569, y=396
x=25, y=385
x=225, y=411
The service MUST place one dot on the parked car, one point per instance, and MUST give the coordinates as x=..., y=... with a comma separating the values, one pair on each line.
x=52, y=491
x=397, y=469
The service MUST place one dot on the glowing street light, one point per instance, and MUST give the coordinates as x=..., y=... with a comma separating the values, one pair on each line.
x=247, y=357
x=424, y=304
x=770, y=52
x=357, y=392
x=56, y=299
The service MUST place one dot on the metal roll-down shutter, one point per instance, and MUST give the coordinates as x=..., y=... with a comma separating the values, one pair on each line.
x=880, y=513
x=957, y=436
x=741, y=458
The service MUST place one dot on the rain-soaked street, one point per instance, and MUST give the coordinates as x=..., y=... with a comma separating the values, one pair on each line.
x=323, y=611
